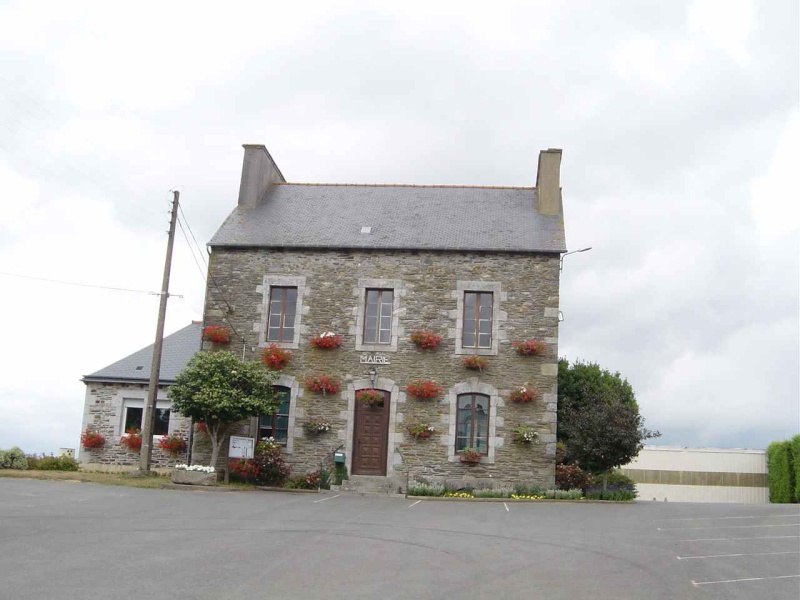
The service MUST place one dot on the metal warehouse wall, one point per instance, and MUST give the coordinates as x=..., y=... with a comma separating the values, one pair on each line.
x=676, y=474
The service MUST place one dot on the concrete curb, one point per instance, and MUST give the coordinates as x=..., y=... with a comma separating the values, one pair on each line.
x=513, y=501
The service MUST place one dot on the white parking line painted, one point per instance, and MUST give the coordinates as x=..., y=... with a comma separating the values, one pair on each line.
x=506, y=505
x=729, y=555
x=748, y=579
x=728, y=527
x=796, y=516
x=415, y=503
x=767, y=537
x=328, y=498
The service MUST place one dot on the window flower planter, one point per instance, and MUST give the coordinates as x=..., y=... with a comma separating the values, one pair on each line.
x=91, y=439
x=423, y=389
x=523, y=395
x=425, y=340
x=322, y=384
x=217, y=334
x=421, y=431
x=316, y=427
x=174, y=444
x=524, y=435
x=475, y=362
x=132, y=440
x=275, y=357
x=530, y=347
x=327, y=340
x=370, y=397
x=470, y=456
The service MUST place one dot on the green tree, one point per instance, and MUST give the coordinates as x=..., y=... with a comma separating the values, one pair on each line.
x=780, y=475
x=218, y=389
x=598, y=418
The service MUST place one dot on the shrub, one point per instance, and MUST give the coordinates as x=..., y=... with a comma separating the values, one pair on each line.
x=370, y=397
x=779, y=472
x=309, y=481
x=490, y=493
x=611, y=495
x=52, y=463
x=327, y=340
x=523, y=489
x=523, y=395
x=272, y=469
x=425, y=489
x=322, y=384
x=339, y=474
x=275, y=357
x=571, y=476
x=132, y=440
x=795, y=444
x=13, y=459
x=244, y=470
x=92, y=439
x=425, y=340
x=475, y=362
x=530, y=347
x=173, y=444
x=617, y=480
x=424, y=389
x=217, y=334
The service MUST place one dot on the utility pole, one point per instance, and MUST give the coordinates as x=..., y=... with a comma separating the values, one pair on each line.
x=149, y=415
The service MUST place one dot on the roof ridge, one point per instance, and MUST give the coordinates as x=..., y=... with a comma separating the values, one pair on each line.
x=412, y=185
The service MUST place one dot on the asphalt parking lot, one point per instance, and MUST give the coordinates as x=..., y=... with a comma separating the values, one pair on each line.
x=84, y=541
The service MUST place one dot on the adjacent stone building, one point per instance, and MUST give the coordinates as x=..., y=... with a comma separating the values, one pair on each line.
x=478, y=266
x=116, y=395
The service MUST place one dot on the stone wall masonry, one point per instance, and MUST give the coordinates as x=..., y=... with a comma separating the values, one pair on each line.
x=528, y=305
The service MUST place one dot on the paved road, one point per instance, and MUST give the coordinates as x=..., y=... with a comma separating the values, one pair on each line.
x=67, y=540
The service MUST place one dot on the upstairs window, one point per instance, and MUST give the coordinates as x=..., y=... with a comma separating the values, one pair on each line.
x=378, y=317
x=472, y=423
x=276, y=425
x=477, y=331
x=282, y=309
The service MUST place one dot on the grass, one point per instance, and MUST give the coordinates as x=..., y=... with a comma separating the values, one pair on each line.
x=122, y=479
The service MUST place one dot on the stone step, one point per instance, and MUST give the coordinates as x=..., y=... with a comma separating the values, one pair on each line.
x=367, y=484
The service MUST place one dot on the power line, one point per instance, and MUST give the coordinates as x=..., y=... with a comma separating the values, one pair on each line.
x=185, y=220
x=89, y=285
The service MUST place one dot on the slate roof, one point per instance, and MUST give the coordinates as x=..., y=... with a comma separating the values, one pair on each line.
x=176, y=352
x=404, y=217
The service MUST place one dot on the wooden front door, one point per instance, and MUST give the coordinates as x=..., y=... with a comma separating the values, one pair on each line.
x=371, y=438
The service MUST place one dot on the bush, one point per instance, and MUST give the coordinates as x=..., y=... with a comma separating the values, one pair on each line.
x=612, y=495
x=795, y=445
x=309, y=481
x=490, y=493
x=779, y=472
x=13, y=459
x=272, y=469
x=425, y=489
x=339, y=474
x=570, y=477
x=245, y=470
x=52, y=463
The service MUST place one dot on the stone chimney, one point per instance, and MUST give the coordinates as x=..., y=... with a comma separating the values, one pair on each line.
x=259, y=172
x=548, y=182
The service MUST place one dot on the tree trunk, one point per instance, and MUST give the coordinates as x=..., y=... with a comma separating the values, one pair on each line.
x=605, y=483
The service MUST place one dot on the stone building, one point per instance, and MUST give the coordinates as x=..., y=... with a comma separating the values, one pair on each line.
x=116, y=395
x=479, y=266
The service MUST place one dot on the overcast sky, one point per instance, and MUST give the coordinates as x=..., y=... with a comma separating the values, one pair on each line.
x=679, y=122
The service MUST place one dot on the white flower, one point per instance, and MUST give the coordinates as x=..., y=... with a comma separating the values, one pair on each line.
x=199, y=468
x=327, y=334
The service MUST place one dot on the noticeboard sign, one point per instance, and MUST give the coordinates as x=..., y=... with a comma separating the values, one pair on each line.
x=241, y=447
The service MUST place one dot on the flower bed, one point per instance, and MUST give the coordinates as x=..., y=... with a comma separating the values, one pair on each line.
x=523, y=395
x=92, y=439
x=530, y=347
x=173, y=444
x=314, y=427
x=421, y=431
x=217, y=334
x=327, y=340
x=322, y=384
x=275, y=357
x=425, y=340
x=423, y=389
x=370, y=397
x=475, y=362
x=132, y=440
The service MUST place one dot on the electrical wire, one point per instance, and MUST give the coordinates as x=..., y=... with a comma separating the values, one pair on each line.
x=88, y=285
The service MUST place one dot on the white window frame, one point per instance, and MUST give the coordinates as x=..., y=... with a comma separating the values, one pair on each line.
x=131, y=401
x=264, y=289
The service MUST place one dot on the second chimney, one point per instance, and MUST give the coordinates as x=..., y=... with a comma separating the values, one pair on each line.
x=548, y=182
x=259, y=172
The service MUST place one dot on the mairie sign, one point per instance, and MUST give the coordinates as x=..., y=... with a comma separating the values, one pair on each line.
x=374, y=359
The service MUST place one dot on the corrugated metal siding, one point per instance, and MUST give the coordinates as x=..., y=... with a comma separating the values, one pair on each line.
x=702, y=493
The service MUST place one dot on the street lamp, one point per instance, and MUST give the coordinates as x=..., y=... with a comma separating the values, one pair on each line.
x=373, y=376
x=561, y=262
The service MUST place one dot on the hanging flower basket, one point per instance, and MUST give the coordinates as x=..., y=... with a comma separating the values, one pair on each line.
x=91, y=439
x=132, y=440
x=470, y=456
x=523, y=395
x=322, y=384
x=275, y=357
x=524, y=435
x=425, y=340
x=475, y=362
x=174, y=444
x=423, y=389
x=327, y=340
x=217, y=334
x=313, y=427
x=421, y=431
x=530, y=347
x=370, y=397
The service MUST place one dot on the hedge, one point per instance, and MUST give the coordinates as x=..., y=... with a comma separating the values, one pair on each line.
x=780, y=472
x=795, y=444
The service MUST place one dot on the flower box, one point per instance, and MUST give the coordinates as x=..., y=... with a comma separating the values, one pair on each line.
x=91, y=439
x=423, y=389
x=421, y=431
x=184, y=477
x=470, y=456
x=174, y=444
x=132, y=440
x=316, y=427
x=524, y=435
x=523, y=395
x=217, y=334
x=425, y=340
x=327, y=340
x=475, y=362
x=370, y=397
x=530, y=347
x=322, y=384
x=275, y=357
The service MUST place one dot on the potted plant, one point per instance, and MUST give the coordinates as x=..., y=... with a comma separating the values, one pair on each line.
x=421, y=431
x=475, y=362
x=91, y=439
x=173, y=444
x=423, y=389
x=530, y=347
x=275, y=357
x=132, y=440
x=522, y=434
x=327, y=340
x=370, y=397
x=425, y=340
x=523, y=395
x=471, y=456
x=322, y=384
x=314, y=427
x=217, y=334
